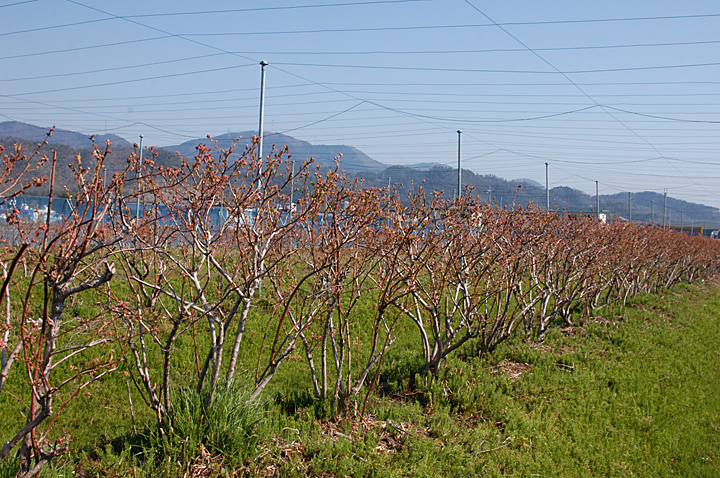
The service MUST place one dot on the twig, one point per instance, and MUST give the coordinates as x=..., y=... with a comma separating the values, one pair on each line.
x=132, y=410
x=567, y=368
x=492, y=449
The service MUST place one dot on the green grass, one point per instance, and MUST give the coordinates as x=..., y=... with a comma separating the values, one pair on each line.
x=631, y=394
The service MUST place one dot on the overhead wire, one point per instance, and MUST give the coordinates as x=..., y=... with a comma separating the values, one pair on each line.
x=82, y=48
x=133, y=80
x=108, y=69
x=565, y=75
x=377, y=102
x=476, y=51
x=223, y=12
x=17, y=3
x=489, y=70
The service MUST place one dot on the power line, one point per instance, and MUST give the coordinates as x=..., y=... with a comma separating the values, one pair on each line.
x=135, y=80
x=683, y=120
x=451, y=26
x=173, y=95
x=322, y=120
x=217, y=12
x=260, y=9
x=155, y=127
x=488, y=70
x=504, y=84
x=17, y=3
x=562, y=141
x=475, y=51
x=572, y=82
x=82, y=48
x=119, y=17
x=105, y=70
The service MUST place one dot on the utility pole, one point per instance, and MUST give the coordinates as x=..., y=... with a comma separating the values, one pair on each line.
x=597, y=200
x=261, y=133
x=264, y=65
x=459, y=186
x=652, y=212
x=682, y=221
x=692, y=226
x=665, y=210
x=630, y=206
x=292, y=185
x=137, y=211
x=547, y=188
x=388, y=184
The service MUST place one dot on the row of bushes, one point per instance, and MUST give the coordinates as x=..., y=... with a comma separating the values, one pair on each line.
x=331, y=275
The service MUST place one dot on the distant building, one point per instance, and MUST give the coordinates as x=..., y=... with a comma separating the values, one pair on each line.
x=602, y=216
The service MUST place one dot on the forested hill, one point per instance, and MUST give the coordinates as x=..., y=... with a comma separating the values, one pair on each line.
x=375, y=174
x=116, y=161
x=38, y=134
x=352, y=160
x=504, y=192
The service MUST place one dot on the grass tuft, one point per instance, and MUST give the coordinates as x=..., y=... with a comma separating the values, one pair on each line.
x=227, y=427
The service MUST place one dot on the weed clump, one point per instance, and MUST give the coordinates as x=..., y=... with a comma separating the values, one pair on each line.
x=225, y=428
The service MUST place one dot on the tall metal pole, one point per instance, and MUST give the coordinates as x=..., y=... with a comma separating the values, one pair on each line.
x=629, y=206
x=459, y=186
x=137, y=211
x=682, y=221
x=261, y=133
x=292, y=185
x=665, y=210
x=597, y=200
x=652, y=212
x=264, y=65
x=692, y=226
x=547, y=188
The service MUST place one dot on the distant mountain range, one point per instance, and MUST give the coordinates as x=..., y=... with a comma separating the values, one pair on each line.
x=528, y=182
x=352, y=159
x=431, y=176
x=37, y=134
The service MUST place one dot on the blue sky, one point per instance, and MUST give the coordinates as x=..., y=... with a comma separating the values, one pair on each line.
x=624, y=93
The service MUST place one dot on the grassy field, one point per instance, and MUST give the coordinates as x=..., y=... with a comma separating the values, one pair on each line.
x=633, y=392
